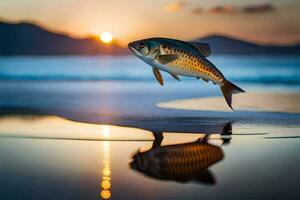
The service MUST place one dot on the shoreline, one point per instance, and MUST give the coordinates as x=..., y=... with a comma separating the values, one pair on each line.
x=129, y=106
x=279, y=102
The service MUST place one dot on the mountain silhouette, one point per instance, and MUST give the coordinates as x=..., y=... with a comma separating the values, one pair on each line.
x=30, y=39
x=227, y=45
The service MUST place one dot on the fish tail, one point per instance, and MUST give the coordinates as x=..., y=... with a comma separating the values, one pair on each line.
x=228, y=89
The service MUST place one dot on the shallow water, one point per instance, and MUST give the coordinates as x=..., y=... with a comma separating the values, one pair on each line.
x=254, y=162
x=248, y=155
x=265, y=70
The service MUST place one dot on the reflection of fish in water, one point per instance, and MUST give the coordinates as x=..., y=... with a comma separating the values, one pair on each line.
x=180, y=162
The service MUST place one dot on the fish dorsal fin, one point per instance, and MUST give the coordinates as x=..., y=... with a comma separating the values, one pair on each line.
x=166, y=58
x=204, y=48
x=158, y=76
x=175, y=76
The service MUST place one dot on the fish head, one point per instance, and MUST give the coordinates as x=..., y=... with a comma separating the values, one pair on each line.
x=146, y=162
x=146, y=49
x=140, y=161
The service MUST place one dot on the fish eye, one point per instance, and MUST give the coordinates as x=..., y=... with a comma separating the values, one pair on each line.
x=141, y=45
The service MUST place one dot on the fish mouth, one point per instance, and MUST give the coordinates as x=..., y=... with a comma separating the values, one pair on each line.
x=129, y=45
x=133, y=165
x=133, y=50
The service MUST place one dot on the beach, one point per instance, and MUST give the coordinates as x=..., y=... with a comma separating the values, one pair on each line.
x=70, y=135
x=51, y=157
x=284, y=102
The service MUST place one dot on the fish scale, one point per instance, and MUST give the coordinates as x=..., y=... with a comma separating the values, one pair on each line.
x=181, y=162
x=190, y=64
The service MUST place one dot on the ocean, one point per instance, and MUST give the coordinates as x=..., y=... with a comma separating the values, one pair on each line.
x=83, y=127
x=250, y=70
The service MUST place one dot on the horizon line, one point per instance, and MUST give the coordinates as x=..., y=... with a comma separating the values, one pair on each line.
x=118, y=43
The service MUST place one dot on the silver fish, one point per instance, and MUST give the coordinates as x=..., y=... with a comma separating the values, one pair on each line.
x=182, y=58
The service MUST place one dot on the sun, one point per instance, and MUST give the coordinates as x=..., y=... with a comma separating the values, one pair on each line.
x=106, y=37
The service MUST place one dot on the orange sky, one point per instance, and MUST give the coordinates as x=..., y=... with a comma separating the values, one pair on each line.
x=263, y=21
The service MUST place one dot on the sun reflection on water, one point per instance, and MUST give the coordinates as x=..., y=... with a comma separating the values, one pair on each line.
x=105, y=131
x=106, y=172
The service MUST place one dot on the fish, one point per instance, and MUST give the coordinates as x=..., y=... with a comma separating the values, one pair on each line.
x=180, y=58
x=179, y=162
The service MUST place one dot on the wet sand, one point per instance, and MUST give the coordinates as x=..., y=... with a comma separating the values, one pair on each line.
x=124, y=104
x=86, y=140
x=285, y=102
x=54, y=158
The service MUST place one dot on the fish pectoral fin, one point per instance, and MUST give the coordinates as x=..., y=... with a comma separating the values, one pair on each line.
x=206, y=177
x=204, y=48
x=158, y=76
x=167, y=58
x=175, y=76
x=206, y=80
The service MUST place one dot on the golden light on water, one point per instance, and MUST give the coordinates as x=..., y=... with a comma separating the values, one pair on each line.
x=105, y=131
x=106, y=171
x=105, y=194
x=106, y=37
x=105, y=184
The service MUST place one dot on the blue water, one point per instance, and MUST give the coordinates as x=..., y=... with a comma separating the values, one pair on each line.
x=72, y=87
x=263, y=70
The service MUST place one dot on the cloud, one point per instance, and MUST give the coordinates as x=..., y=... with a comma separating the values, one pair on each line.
x=221, y=9
x=175, y=7
x=230, y=9
x=262, y=8
x=226, y=9
x=198, y=11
